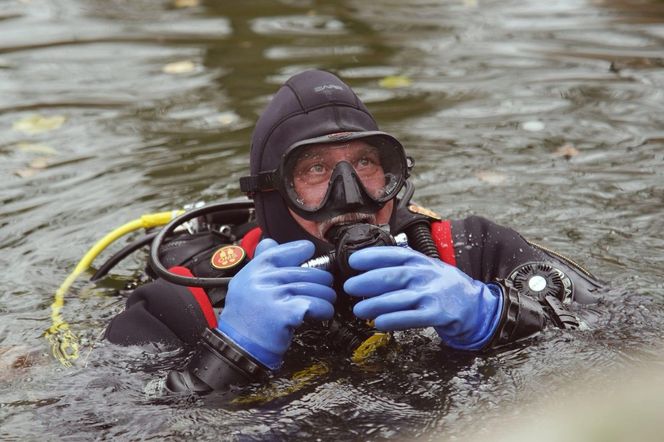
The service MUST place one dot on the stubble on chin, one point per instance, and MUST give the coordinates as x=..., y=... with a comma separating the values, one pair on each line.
x=348, y=218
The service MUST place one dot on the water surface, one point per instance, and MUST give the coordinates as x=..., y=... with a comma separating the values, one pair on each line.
x=545, y=116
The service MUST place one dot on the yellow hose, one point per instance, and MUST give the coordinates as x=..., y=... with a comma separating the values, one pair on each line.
x=64, y=342
x=369, y=346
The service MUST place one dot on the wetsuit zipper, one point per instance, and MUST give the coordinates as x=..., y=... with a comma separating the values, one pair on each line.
x=564, y=258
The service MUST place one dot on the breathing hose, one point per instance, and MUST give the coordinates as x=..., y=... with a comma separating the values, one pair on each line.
x=418, y=233
x=420, y=239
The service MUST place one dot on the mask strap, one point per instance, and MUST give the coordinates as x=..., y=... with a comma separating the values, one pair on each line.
x=262, y=182
x=408, y=194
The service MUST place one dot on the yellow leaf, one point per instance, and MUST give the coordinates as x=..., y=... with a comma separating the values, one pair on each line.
x=37, y=148
x=35, y=166
x=39, y=163
x=491, y=177
x=36, y=123
x=185, y=3
x=566, y=150
x=179, y=67
x=25, y=173
x=228, y=118
x=395, y=81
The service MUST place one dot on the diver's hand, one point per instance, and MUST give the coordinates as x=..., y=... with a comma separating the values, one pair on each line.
x=271, y=296
x=406, y=289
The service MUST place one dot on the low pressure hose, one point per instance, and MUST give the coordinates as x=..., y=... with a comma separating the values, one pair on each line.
x=122, y=254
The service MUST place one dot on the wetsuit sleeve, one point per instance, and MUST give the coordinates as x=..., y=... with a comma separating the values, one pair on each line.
x=495, y=254
x=489, y=252
x=167, y=313
x=161, y=312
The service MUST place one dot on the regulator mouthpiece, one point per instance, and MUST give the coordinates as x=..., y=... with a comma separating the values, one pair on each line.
x=350, y=238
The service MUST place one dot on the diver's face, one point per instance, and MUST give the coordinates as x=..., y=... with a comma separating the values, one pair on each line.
x=313, y=167
x=317, y=229
x=311, y=178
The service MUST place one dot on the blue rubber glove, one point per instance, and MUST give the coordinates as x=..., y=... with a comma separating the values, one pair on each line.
x=406, y=289
x=271, y=296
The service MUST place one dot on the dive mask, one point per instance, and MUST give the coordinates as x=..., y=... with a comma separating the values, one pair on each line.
x=323, y=177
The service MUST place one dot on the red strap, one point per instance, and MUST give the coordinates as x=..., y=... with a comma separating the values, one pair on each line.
x=250, y=240
x=199, y=296
x=441, y=231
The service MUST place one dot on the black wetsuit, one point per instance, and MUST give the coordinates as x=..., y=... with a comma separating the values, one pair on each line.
x=175, y=315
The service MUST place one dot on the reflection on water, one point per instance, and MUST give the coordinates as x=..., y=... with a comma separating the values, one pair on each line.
x=542, y=116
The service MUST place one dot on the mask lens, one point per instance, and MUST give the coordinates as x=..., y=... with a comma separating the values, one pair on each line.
x=308, y=170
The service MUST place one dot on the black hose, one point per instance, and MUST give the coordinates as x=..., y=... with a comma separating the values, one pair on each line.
x=407, y=195
x=122, y=254
x=420, y=239
x=163, y=272
x=419, y=233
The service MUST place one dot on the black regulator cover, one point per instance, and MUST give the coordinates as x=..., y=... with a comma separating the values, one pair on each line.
x=349, y=238
x=345, y=331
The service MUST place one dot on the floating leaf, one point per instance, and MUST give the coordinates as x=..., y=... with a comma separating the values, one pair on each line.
x=5, y=64
x=25, y=173
x=228, y=118
x=179, y=67
x=186, y=3
x=533, y=126
x=567, y=151
x=19, y=357
x=395, y=81
x=37, y=148
x=491, y=177
x=37, y=123
x=39, y=163
x=470, y=3
x=636, y=63
x=35, y=166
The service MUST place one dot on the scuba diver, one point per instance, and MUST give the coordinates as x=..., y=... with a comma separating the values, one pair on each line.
x=328, y=241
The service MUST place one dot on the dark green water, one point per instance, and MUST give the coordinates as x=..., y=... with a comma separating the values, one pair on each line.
x=545, y=116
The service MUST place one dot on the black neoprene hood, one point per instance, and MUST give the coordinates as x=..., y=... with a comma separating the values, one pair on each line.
x=310, y=104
